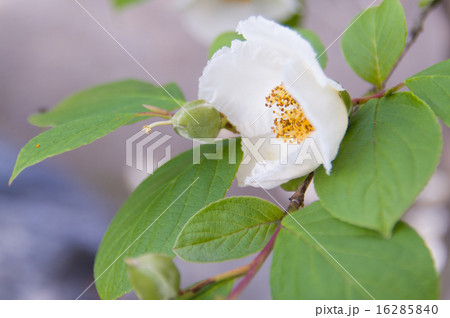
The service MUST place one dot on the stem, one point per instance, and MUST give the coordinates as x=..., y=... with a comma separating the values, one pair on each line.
x=298, y=199
x=250, y=270
x=255, y=265
x=148, y=128
x=365, y=99
x=414, y=34
x=234, y=273
x=228, y=126
x=380, y=94
x=395, y=88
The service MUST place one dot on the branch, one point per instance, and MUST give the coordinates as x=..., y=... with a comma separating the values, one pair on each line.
x=414, y=33
x=234, y=273
x=365, y=99
x=298, y=199
x=255, y=265
x=380, y=94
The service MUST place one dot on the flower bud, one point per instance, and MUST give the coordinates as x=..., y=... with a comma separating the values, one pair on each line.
x=198, y=119
x=154, y=276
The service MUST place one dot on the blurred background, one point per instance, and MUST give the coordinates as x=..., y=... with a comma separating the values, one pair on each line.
x=53, y=217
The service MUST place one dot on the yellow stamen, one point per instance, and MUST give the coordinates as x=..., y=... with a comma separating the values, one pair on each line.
x=291, y=124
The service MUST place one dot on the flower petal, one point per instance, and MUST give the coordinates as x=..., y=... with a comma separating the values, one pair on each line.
x=236, y=81
x=287, y=42
x=269, y=162
x=323, y=107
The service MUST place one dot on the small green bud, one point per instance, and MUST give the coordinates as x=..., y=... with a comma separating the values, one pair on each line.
x=153, y=276
x=198, y=119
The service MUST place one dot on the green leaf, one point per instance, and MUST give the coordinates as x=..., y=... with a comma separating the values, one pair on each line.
x=110, y=99
x=293, y=185
x=215, y=291
x=316, y=43
x=67, y=137
x=92, y=114
x=227, y=229
x=222, y=40
x=154, y=276
x=390, y=151
x=433, y=87
x=375, y=40
x=153, y=216
x=319, y=257
x=123, y=3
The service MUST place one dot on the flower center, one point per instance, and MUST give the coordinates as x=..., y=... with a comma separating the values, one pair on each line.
x=291, y=124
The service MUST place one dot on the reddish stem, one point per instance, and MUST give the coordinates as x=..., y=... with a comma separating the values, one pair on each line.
x=362, y=100
x=238, y=272
x=380, y=94
x=255, y=265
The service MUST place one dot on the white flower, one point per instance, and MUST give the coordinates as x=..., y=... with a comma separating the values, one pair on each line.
x=207, y=19
x=272, y=89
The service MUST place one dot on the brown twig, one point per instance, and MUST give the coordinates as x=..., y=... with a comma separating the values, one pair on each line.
x=298, y=199
x=380, y=94
x=413, y=34
x=365, y=99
